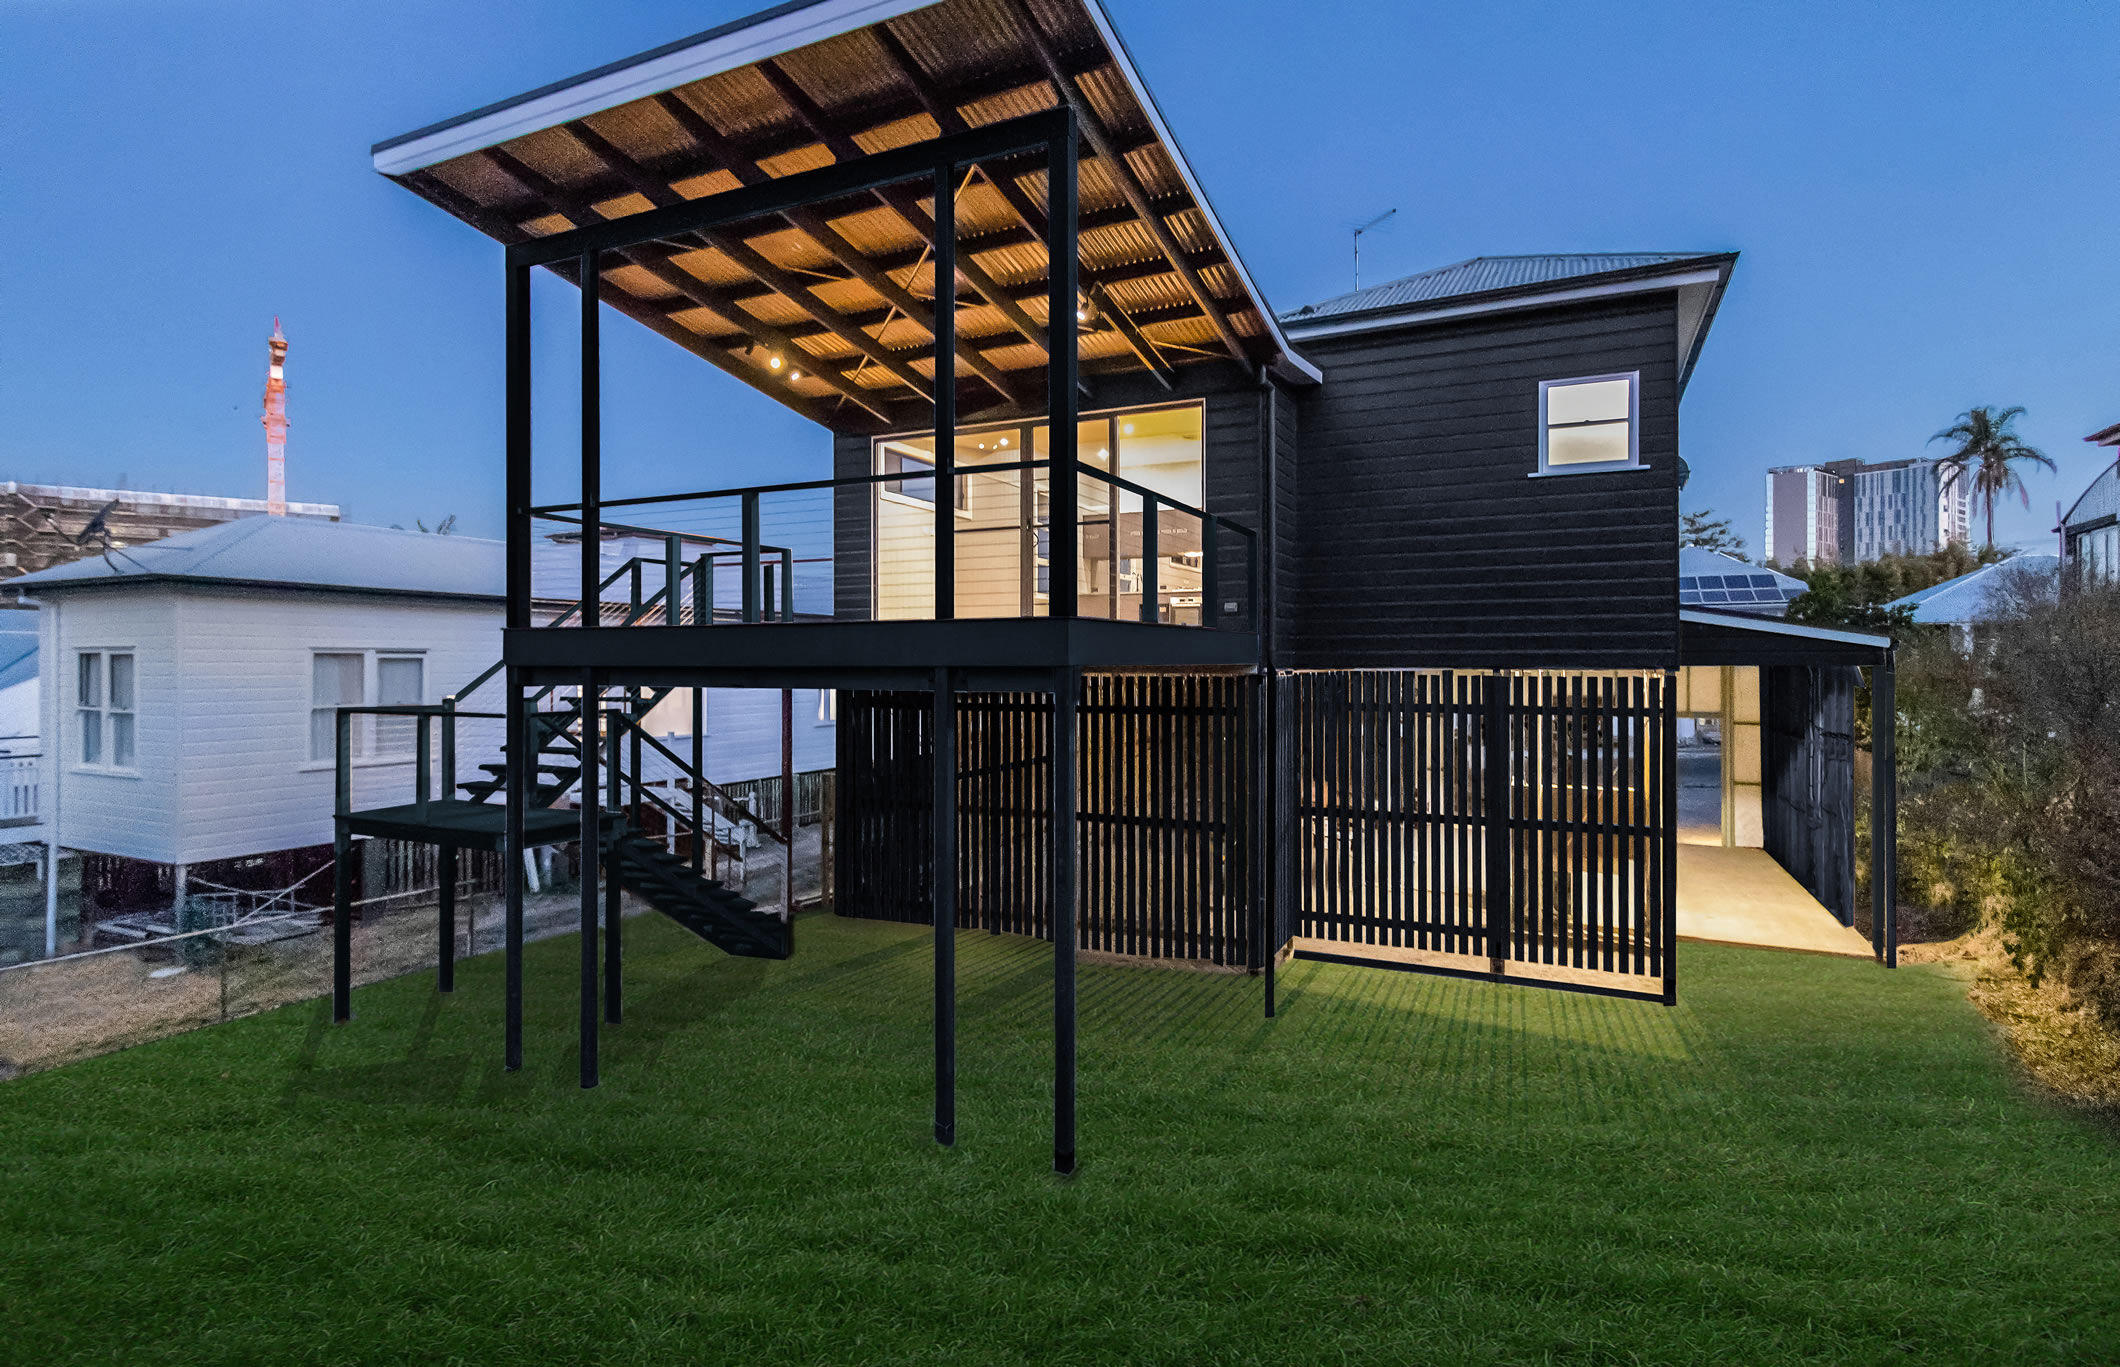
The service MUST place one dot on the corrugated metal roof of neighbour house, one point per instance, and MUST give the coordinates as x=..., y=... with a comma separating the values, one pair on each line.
x=1976, y=596
x=1486, y=275
x=295, y=553
x=2102, y=499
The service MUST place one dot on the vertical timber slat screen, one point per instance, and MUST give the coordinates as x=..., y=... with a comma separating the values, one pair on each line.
x=1164, y=826
x=1406, y=781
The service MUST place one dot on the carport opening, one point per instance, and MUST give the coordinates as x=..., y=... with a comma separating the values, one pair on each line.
x=1730, y=890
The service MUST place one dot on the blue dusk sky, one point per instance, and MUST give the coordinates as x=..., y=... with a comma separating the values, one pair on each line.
x=1927, y=197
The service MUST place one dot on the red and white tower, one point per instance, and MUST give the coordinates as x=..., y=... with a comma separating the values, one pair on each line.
x=276, y=424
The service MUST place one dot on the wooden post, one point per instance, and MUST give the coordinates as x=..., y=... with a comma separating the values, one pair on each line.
x=1066, y=685
x=945, y=898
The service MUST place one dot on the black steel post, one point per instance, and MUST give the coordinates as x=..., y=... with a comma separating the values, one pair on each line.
x=518, y=486
x=520, y=767
x=1151, y=609
x=517, y=478
x=342, y=925
x=1064, y=521
x=445, y=966
x=699, y=781
x=945, y=890
x=341, y=871
x=1210, y=573
x=613, y=886
x=1667, y=737
x=1494, y=779
x=1066, y=686
x=1884, y=814
x=750, y=557
x=593, y=871
x=787, y=802
x=1262, y=832
x=946, y=399
x=593, y=445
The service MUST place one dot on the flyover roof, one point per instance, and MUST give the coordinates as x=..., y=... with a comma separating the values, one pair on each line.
x=840, y=290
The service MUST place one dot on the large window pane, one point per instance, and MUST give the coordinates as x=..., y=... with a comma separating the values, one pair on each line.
x=335, y=682
x=91, y=736
x=90, y=682
x=121, y=740
x=121, y=682
x=1587, y=401
x=1605, y=443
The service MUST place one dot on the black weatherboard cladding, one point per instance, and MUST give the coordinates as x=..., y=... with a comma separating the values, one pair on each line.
x=1422, y=538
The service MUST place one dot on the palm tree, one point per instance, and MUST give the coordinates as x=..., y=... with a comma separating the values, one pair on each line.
x=1986, y=450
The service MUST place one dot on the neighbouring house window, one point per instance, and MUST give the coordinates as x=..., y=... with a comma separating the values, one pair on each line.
x=400, y=680
x=827, y=706
x=348, y=678
x=103, y=700
x=1589, y=424
x=336, y=681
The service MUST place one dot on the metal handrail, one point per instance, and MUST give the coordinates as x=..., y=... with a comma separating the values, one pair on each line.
x=758, y=557
x=686, y=770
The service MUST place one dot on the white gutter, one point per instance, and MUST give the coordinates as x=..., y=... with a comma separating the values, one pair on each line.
x=1419, y=314
x=1774, y=628
x=770, y=34
x=1122, y=59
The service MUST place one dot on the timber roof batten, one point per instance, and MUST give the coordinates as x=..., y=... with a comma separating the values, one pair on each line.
x=842, y=289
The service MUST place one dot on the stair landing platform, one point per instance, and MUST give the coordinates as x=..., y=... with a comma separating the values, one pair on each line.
x=466, y=824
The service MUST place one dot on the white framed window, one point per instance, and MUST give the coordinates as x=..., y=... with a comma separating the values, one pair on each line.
x=104, y=707
x=827, y=706
x=1589, y=424
x=349, y=678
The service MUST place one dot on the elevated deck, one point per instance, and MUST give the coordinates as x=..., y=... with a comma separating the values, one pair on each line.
x=998, y=654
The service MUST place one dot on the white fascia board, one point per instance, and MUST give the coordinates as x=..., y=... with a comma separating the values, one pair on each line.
x=1775, y=628
x=1124, y=60
x=777, y=32
x=1419, y=314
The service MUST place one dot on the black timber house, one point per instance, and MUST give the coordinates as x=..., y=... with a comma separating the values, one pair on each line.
x=1352, y=632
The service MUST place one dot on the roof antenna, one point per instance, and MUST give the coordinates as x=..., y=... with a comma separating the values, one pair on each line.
x=1374, y=222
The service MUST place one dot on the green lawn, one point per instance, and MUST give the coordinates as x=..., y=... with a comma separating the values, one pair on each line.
x=1809, y=1159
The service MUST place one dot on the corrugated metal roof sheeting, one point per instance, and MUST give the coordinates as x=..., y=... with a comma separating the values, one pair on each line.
x=1977, y=596
x=1481, y=275
x=2102, y=499
x=297, y=553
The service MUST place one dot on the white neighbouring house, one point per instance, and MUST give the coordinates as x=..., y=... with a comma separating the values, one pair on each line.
x=188, y=687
